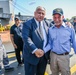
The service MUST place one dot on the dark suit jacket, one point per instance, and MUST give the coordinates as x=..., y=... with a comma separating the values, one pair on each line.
x=32, y=40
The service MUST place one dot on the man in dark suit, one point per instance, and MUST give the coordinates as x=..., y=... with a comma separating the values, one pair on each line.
x=35, y=60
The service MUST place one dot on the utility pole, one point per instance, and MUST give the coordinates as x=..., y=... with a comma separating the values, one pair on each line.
x=19, y=15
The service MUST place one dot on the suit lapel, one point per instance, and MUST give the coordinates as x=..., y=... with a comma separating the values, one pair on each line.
x=35, y=26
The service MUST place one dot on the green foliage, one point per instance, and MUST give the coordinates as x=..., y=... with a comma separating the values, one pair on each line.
x=72, y=19
x=1, y=27
x=67, y=19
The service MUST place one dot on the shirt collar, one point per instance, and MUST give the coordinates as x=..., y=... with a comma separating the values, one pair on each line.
x=37, y=22
x=63, y=25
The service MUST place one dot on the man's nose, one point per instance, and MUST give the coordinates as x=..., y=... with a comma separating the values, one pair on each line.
x=41, y=14
x=57, y=19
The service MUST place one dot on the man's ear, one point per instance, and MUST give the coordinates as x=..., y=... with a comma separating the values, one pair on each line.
x=34, y=13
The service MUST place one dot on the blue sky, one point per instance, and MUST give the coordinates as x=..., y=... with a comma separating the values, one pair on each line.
x=27, y=7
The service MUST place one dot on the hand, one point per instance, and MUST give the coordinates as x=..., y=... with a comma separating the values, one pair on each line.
x=39, y=53
x=69, y=24
x=15, y=46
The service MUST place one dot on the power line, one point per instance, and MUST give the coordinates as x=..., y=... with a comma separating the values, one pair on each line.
x=22, y=8
x=19, y=9
x=14, y=2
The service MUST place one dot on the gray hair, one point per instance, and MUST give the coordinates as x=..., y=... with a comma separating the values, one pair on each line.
x=40, y=8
